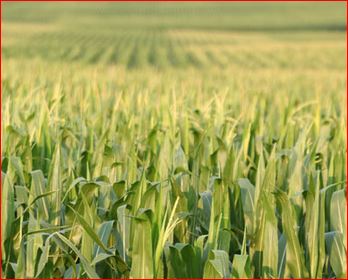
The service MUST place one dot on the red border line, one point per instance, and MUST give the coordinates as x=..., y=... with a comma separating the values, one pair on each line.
x=138, y=1
x=1, y=138
x=346, y=130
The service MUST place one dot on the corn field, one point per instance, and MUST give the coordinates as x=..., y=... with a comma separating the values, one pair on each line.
x=174, y=148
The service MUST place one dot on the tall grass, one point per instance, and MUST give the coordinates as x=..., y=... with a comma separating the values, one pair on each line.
x=141, y=143
x=104, y=177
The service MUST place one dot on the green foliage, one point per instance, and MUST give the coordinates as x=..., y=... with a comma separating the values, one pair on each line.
x=173, y=145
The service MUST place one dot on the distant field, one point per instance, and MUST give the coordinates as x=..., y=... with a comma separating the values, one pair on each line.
x=174, y=140
x=171, y=35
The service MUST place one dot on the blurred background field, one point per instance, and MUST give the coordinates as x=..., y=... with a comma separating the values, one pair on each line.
x=161, y=35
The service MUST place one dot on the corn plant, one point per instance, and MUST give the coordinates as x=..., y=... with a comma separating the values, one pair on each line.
x=173, y=152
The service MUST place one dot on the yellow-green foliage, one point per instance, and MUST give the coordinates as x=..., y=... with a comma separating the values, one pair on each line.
x=169, y=147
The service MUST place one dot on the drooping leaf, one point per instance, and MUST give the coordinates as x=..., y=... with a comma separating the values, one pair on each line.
x=218, y=265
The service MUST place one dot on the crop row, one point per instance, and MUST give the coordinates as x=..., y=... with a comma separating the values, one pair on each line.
x=141, y=49
x=195, y=176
